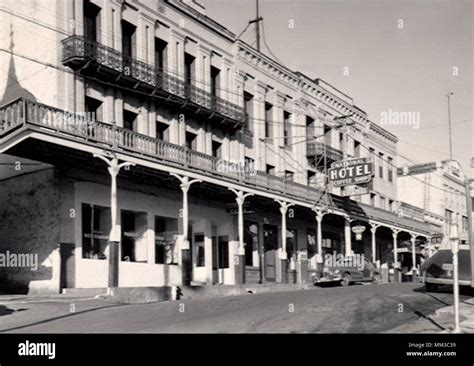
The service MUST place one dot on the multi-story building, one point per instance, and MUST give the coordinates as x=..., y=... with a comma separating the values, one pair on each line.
x=151, y=147
x=438, y=188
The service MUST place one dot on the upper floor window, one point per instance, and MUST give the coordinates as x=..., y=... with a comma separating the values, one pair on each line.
x=93, y=108
x=268, y=120
x=162, y=131
x=311, y=179
x=327, y=135
x=248, y=107
x=310, y=127
x=189, y=68
x=289, y=175
x=130, y=120
x=381, y=165
x=270, y=169
x=215, y=81
x=383, y=203
x=216, y=149
x=357, y=147
x=191, y=140
x=286, y=128
x=390, y=169
x=91, y=21
x=129, y=39
x=160, y=54
x=372, y=199
x=448, y=216
x=465, y=224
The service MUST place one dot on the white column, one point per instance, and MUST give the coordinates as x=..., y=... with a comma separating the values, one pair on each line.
x=395, y=245
x=373, y=230
x=348, y=235
x=283, y=210
x=319, y=232
x=240, y=199
x=413, y=254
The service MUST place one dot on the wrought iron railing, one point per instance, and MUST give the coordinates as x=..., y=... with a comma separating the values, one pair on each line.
x=27, y=113
x=79, y=47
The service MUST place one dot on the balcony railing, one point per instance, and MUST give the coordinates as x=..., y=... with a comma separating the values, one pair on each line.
x=79, y=52
x=31, y=114
x=318, y=148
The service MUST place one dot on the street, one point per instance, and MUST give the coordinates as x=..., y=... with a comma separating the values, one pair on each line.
x=354, y=309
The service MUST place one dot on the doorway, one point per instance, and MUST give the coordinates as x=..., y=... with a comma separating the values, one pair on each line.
x=68, y=265
x=270, y=246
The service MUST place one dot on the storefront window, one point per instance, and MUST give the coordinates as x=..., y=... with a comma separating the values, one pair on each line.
x=200, y=250
x=291, y=246
x=134, y=243
x=220, y=249
x=95, y=231
x=166, y=235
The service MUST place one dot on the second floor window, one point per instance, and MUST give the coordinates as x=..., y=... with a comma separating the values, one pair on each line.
x=270, y=169
x=216, y=149
x=160, y=54
x=191, y=140
x=215, y=81
x=448, y=216
x=356, y=148
x=286, y=128
x=381, y=164
x=289, y=175
x=311, y=179
x=162, y=131
x=390, y=169
x=268, y=120
x=130, y=120
x=189, y=71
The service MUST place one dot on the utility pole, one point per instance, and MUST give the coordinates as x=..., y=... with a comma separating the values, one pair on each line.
x=448, y=95
x=469, y=225
x=257, y=26
x=454, y=238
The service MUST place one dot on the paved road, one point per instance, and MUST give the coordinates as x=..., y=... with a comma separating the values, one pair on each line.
x=354, y=309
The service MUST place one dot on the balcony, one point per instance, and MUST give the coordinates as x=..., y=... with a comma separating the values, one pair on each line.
x=26, y=115
x=111, y=66
x=318, y=149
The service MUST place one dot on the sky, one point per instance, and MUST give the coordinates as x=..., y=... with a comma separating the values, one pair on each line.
x=401, y=56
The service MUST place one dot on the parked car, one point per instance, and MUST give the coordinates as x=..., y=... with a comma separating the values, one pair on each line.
x=438, y=269
x=347, y=273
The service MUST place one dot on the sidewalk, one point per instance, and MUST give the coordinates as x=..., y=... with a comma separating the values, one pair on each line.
x=442, y=321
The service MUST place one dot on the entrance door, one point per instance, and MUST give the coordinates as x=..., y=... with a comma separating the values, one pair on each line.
x=270, y=246
x=68, y=265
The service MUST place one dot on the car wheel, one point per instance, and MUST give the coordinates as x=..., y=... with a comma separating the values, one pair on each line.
x=346, y=280
x=431, y=287
x=375, y=279
x=316, y=278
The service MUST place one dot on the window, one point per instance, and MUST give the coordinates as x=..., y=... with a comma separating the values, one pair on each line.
x=270, y=169
x=289, y=175
x=216, y=149
x=189, y=71
x=310, y=127
x=311, y=179
x=383, y=202
x=250, y=241
x=372, y=199
x=191, y=140
x=286, y=128
x=220, y=252
x=134, y=243
x=215, y=81
x=391, y=205
x=96, y=225
x=465, y=224
x=130, y=120
x=268, y=120
x=327, y=135
x=162, y=131
x=166, y=236
x=372, y=154
x=200, y=250
x=248, y=106
x=381, y=165
x=448, y=216
x=160, y=54
x=249, y=164
x=91, y=22
x=129, y=41
x=93, y=108
x=390, y=169
x=357, y=148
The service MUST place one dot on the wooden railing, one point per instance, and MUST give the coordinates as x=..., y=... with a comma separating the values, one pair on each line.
x=79, y=47
x=107, y=135
x=319, y=148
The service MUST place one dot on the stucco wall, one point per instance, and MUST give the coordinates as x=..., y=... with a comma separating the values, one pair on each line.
x=29, y=224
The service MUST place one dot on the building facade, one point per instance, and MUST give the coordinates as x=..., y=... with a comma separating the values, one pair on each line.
x=438, y=188
x=148, y=146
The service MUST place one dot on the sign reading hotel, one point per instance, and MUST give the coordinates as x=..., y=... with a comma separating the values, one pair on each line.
x=350, y=172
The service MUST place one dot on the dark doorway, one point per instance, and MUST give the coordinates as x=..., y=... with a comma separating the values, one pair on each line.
x=270, y=246
x=68, y=265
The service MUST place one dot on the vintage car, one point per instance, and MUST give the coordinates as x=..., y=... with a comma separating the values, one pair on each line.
x=347, y=273
x=438, y=269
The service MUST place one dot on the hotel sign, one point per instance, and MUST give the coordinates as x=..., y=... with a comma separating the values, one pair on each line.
x=351, y=172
